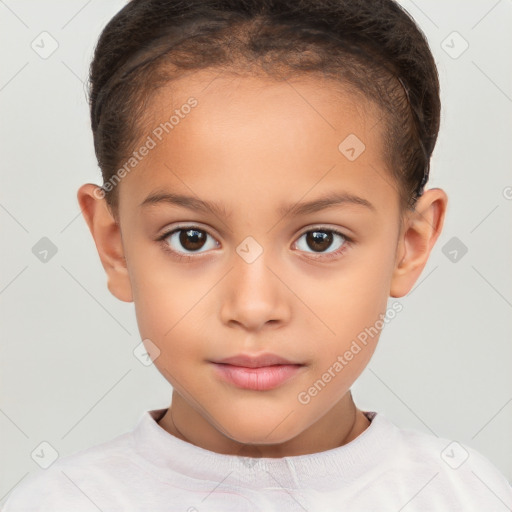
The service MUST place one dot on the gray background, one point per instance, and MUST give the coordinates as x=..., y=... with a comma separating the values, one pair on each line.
x=68, y=373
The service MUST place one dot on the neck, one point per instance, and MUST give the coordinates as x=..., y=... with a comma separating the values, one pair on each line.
x=340, y=425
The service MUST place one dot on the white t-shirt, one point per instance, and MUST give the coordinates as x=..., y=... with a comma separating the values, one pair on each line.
x=385, y=468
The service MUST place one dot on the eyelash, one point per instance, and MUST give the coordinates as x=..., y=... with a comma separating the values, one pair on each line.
x=348, y=241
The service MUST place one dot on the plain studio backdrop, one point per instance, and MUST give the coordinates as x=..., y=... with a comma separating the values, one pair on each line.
x=69, y=375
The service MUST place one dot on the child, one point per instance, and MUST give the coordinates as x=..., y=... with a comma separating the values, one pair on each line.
x=264, y=164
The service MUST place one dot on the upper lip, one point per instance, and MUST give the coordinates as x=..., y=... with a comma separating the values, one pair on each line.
x=252, y=361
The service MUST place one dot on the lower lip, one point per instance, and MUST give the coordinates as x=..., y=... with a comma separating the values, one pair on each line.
x=258, y=379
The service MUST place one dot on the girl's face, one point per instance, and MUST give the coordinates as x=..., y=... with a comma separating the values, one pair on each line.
x=270, y=265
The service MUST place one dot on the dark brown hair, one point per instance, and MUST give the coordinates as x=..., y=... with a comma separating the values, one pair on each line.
x=372, y=47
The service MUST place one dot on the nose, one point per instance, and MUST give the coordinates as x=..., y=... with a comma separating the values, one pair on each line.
x=254, y=297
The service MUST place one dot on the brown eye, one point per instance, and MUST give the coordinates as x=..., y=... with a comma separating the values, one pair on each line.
x=192, y=239
x=321, y=240
x=189, y=240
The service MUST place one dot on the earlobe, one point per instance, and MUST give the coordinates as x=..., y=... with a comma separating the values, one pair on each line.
x=421, y=231
x=106, y=233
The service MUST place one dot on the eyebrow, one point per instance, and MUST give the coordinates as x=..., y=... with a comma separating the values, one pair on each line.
x=326, y=201
x=304, y=208
x=192, y=203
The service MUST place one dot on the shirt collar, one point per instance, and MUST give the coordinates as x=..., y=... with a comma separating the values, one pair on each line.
x=171, y=459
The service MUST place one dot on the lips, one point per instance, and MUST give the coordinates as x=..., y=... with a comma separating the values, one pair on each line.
x=258, y=373
x=252, y=361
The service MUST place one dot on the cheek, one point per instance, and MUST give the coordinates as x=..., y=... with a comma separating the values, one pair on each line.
x=173, y=313
x=353, y=297
x=170, y=302
x=164, y=305
x=352, y=305
x=170, y=319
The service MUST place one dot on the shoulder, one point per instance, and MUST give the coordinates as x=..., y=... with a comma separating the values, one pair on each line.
x=449, y=472
x=77, y=482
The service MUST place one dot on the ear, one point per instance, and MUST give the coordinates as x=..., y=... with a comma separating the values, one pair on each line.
x=106, y=233
x=418, y=235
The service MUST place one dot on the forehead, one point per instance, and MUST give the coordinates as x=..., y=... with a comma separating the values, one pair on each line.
x=251, y=135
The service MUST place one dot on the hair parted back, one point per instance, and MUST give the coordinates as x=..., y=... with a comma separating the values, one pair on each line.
x=372, y=46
